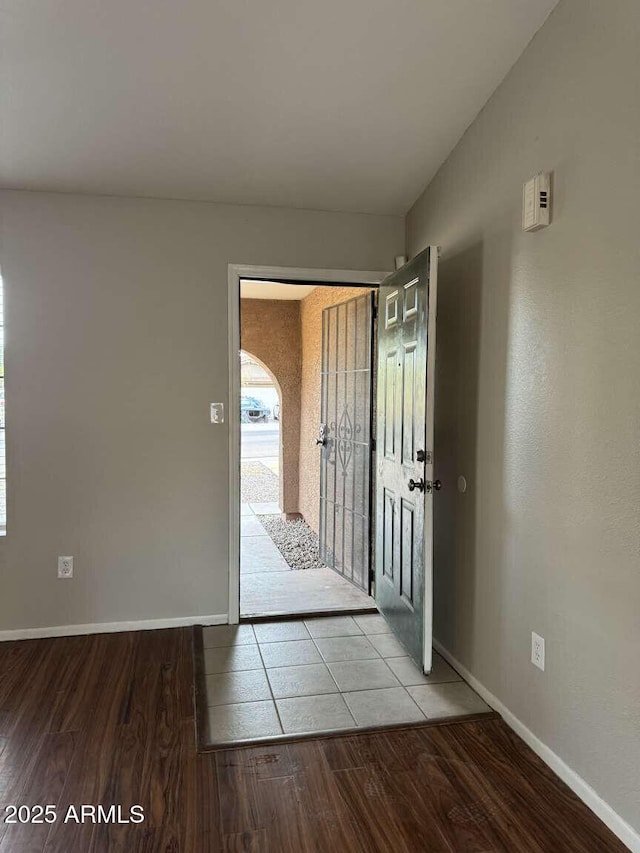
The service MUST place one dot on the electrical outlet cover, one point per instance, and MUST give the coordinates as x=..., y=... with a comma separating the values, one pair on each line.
x=537, y=650
x=65, y=567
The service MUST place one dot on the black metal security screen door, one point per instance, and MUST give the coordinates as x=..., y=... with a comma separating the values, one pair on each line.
x=404, y=459
x=345, y=438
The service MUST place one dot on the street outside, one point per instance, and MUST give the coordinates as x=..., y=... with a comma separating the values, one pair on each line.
x=260, y=441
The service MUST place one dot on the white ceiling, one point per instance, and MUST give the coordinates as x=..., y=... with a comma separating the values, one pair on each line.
x=250, y=289
x=338, y=104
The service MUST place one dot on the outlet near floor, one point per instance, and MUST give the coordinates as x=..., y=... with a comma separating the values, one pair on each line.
x=65, y=567
x=537, y=650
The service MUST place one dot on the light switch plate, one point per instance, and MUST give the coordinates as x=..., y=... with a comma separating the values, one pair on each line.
x=216, y=411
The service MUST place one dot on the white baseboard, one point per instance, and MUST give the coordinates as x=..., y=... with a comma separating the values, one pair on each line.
x=625, y=832
x=111, y=627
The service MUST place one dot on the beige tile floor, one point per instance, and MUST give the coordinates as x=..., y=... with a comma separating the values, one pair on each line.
x=266, y=680
x=268, y=586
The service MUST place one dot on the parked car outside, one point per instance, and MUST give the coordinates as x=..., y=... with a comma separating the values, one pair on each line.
x=276, y=412
x=253, y=410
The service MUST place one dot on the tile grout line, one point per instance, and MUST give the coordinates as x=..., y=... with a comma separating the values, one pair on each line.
x=404, y=687
x=340, y=693
x=380, y=657
x=329, y=669
x=306, y=695
x=326, y=663
x=398, y=684
x=266, y=675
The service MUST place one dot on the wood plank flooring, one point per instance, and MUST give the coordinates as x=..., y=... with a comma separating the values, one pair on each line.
x=109, y=719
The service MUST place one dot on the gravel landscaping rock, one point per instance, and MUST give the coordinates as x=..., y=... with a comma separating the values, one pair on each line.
x=258, y=484
x=295, y=540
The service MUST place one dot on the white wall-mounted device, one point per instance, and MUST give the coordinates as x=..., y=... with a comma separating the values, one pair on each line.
x=65, y=567
x=537, y=650
x=216, y=413
x=536, y=202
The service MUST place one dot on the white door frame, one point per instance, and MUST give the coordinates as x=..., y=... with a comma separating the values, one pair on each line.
x=289, y=274
x=432, y=310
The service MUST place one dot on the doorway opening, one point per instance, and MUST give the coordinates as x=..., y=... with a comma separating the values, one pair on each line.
x=293, y=667
x=305, y=421
x=358, y=475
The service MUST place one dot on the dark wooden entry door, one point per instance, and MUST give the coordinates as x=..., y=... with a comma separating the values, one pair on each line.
x=345, y=439
x=404, y=459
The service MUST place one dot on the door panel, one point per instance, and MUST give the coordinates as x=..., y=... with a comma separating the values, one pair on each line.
x=407, y=546
x=404, y=461
x=345, y=438
x=388, y=528
x=390, y=405
x=409, y=404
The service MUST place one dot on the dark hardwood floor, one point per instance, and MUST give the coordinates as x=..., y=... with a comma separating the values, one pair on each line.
x=109, y=719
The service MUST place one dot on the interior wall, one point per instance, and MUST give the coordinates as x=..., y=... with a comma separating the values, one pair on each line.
x=311, y=332
x=116, y=330
x=537, y=394
x=270, y=330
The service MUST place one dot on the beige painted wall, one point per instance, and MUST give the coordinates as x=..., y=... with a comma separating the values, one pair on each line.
x=116, y=325
x=270, y=330
x=538, y=400
x=311, y=330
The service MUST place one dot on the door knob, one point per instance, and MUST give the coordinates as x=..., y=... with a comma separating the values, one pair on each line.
x=416, y=484
x=437, y=485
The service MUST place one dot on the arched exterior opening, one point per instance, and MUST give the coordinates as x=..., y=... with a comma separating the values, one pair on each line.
x=270, y=335
x=273, y=379
x=255, y=390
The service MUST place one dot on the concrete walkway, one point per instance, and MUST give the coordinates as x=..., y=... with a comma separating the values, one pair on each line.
x=269, y=587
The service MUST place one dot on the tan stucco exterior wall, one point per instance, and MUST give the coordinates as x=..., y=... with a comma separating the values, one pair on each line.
x=270, y=331
x=311, y=339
